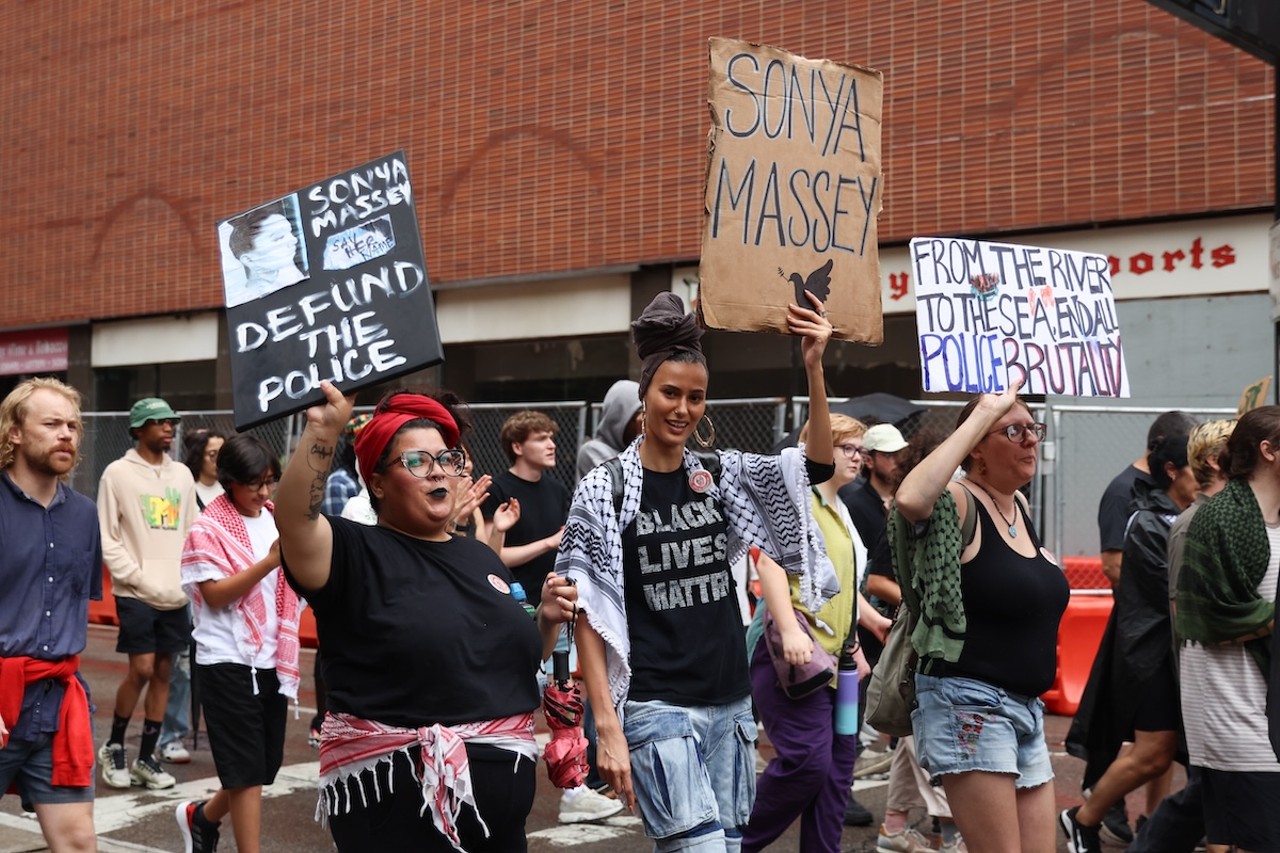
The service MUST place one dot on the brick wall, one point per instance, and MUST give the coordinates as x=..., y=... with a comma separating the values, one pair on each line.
x=569, y=134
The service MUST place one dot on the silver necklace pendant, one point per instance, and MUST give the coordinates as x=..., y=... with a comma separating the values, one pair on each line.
x=1013, y=532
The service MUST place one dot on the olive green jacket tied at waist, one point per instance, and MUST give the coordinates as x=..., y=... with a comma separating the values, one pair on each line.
x=1226, y=557
x=926, y=560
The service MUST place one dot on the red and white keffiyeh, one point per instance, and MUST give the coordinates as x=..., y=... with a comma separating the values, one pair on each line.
x=350, y=745
x=219, y=541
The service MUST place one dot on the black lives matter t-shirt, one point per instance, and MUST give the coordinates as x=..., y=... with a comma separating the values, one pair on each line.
x=688, y=646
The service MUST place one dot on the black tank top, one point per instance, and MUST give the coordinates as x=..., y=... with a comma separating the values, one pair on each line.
x=1012, y=607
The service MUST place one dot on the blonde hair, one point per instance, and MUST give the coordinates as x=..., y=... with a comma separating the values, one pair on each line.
x=1208, y=442
x=843, y=427
x=13, y=411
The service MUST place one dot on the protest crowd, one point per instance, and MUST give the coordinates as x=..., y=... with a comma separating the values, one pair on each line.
x=708, y=642
x=703, y=596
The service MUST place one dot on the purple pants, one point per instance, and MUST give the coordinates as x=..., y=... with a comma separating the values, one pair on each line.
x=810, y=777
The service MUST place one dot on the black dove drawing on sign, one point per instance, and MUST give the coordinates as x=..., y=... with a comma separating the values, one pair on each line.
x=818, y=283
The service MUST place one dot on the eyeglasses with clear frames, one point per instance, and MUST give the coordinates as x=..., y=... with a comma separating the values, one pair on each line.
x=1017, y=433
x=420, y=463
x=849, y=450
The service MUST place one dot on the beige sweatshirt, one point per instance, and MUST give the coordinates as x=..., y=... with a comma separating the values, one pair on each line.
x=145, y=512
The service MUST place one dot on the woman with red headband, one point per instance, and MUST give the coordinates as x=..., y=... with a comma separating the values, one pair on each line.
x=430, y=662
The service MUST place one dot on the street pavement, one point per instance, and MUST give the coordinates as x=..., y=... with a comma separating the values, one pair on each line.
x=141, y=821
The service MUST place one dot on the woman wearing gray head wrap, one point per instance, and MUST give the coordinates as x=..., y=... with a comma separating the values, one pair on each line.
x=662, y=647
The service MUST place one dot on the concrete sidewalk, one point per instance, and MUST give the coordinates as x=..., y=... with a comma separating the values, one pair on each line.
x=16, y=837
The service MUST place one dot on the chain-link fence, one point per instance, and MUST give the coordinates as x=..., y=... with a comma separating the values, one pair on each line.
x=1085, y=448
x=106, y=438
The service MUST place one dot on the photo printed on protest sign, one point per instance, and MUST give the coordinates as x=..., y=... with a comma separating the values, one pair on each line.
x=327, y=282
x=991, y=313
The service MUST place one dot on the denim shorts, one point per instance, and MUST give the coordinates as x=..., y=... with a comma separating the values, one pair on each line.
x=962, y=725
x=28, y=764
x=693, y=770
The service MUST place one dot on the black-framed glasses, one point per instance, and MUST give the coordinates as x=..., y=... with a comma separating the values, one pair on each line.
x=420, y=463
x=849, y=450
x=257, y=485
x=1017, y=433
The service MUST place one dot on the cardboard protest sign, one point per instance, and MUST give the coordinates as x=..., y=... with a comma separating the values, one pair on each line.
x=793, y=191
x=1254, y=395
x=327, y=282
x=989, y=313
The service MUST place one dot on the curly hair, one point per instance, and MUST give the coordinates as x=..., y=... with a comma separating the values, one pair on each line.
x=13, y=411
x=517, y=429
x=1208, y=443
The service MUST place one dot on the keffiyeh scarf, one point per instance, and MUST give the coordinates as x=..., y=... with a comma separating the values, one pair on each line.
x=349, y=745
x=1225, y=558
x=766, y=504
x=218, y=547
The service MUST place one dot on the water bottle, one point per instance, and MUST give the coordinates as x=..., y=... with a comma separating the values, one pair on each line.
x=518, y=593
x=847, y=694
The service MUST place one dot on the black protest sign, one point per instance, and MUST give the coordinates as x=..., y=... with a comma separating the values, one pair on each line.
x=327, y=282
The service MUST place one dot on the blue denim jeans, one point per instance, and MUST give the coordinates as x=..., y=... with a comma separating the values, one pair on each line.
x=177, y=713
x=694, y=772
x=963, y=724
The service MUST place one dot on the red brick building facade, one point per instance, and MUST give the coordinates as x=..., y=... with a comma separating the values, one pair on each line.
x=555, y=140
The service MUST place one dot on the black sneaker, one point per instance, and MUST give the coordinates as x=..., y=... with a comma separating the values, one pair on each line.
x=1115, y=825
x=198, y=834
x=1080, y=839
x=856, y=814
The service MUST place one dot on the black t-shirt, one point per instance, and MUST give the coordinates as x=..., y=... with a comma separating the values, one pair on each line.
x=544, y=506
x=416, y=633
x=687, y=642
x=1113, y=509
x=866, y=509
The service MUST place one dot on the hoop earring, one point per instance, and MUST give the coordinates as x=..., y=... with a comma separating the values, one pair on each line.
x=711, y=428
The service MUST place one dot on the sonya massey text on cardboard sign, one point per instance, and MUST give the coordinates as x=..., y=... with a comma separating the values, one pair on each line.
x=991, y=313
x=793, y=191
x=362, y=314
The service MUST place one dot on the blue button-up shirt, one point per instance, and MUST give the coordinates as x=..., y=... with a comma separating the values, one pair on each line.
x=50, y=566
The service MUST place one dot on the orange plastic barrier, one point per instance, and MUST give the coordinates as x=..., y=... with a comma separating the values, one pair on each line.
x=307, y=629
x=1085, y=573
x=104, y=612
x=1079, y=635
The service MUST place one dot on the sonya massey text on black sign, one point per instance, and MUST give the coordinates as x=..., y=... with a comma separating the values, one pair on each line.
x=364, y=315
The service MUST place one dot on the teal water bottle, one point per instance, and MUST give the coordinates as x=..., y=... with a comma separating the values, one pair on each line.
x=518, y=593
x=846, y=722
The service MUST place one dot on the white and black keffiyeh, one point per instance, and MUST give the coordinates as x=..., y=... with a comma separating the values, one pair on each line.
x=766, y=504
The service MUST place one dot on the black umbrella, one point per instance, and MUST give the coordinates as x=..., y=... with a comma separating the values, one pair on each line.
x=878, y=408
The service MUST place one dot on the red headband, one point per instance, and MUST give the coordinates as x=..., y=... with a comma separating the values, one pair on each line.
x=373, y=437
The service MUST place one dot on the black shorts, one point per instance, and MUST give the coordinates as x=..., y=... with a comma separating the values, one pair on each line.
x=145, y=630
x=246, y=732
x=1159, y=707
x=1242, y=809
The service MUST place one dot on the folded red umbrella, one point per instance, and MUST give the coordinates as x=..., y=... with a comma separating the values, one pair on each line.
x=566, y=752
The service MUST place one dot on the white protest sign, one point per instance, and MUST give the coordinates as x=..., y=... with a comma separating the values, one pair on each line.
x=991, y=313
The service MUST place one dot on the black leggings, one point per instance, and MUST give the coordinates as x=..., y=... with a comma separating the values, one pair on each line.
x=504, y=796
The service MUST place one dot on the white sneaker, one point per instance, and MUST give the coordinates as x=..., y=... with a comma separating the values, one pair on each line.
x=115, y=772
x=583, y=805
x=174, y=752
x=906, y=841
x=146, y=773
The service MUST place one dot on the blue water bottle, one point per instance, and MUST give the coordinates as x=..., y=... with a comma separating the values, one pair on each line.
x=847, y=694
x=518, y=593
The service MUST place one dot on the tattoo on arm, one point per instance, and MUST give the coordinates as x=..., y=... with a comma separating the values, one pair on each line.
x=323, y=457
x=315, y=496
